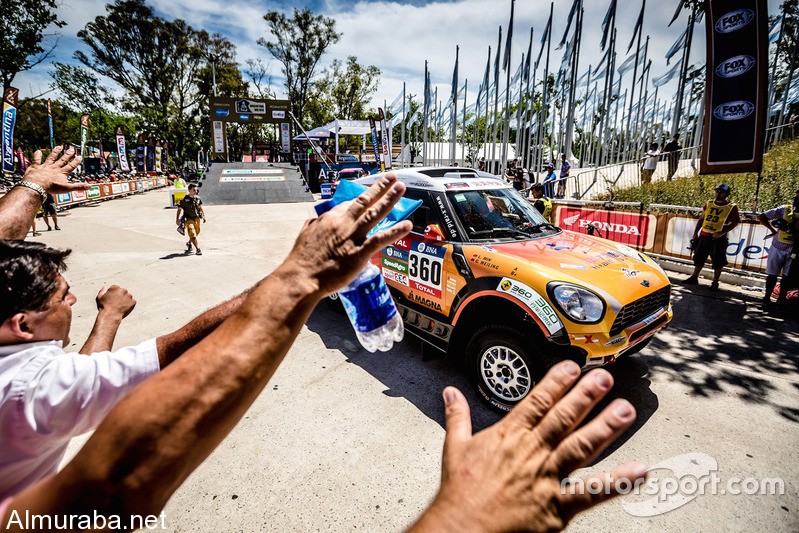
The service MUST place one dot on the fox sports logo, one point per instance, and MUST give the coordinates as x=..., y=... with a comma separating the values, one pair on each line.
x=734, y=110
x=735, y=66
x=734, y=20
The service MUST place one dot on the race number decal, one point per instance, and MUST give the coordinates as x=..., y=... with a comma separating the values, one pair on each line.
x=425, y=268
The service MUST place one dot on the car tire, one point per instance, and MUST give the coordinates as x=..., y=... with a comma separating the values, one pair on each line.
x=503, y=365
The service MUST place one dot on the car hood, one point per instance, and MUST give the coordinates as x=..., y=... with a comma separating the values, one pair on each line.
x=604, y=266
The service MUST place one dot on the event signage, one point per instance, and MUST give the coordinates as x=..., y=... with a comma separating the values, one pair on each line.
x=158, y=153
x=285, y=137
x=735, y=99
x=219, y=137
x=10, y=97
x=149, y=159
x=140, y=153
x=94, y=192
x=384, y=139
x=620, y=226
x=84, y=130
x=122, y=150
x=249, y=110
x=375, y=146
x=50, y=124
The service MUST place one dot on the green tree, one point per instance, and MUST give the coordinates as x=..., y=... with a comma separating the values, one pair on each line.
x=22, y=36
x=300, y=43
x=347, y=88
x=81, y=89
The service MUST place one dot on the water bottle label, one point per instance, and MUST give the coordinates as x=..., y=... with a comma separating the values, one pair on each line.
x=369, y=305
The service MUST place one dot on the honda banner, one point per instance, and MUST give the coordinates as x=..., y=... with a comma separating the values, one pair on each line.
x=10, y=97
x=122, y=153
x=633, y=229
x=735, y=99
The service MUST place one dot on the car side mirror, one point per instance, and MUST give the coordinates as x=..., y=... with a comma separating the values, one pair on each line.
x=433, y=232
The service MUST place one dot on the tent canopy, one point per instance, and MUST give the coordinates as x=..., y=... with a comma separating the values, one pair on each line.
x=344, y=127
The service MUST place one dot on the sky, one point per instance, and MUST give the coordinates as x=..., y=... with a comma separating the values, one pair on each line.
x=398, y=36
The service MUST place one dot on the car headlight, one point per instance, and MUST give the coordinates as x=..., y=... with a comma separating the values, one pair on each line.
x=578, y=303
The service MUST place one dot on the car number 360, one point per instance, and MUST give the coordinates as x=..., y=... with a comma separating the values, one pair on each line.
x=425, y=269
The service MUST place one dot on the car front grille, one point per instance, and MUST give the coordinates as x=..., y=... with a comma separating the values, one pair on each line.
x=640, y=309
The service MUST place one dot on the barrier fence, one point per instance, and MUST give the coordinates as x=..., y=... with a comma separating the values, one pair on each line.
x=106, y=191
x=662, y=229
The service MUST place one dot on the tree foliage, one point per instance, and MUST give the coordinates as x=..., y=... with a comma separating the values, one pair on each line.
x=343, y=91
x=300, y=42
x=82, y=90
x=22, y=36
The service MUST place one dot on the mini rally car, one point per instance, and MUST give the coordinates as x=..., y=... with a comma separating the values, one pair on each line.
x=485, y=277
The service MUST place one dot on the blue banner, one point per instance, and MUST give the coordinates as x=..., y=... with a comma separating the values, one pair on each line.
x=9, y=120
x=50, y=124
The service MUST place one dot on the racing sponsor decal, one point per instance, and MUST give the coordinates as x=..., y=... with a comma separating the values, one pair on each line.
x=617, y=340
x=651, y=318
x=396, y=277
x=420, y=184
x=629, y=273
x=452, y=285
x=403, y=244
x=458, y=185
x=534, y=301
x=425, y=268
x=395, y=265
x=448, y=220
x=588, y=339
x=396, y=253
x=567, y=266
x=422, y=300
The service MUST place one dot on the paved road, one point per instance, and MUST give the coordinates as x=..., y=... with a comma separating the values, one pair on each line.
x=343, y=440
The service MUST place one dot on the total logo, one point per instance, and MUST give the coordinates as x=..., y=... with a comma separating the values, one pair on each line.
x=735, y=66
x=734, y=20
x=734, y=110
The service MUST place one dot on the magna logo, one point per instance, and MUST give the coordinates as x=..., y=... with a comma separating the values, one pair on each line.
x=734, y=110
x=734, y=20
x=735, y=66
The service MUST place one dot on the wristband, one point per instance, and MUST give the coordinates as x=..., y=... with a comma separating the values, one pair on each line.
x=35, y=187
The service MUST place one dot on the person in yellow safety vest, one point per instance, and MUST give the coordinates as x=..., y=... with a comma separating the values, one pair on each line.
x=719, y=217
x=542, y=203
x=779, y=254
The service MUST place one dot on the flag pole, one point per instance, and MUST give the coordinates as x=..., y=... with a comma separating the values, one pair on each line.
x=494, y=166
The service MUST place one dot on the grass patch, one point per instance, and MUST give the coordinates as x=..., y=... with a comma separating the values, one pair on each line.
x=778, y=187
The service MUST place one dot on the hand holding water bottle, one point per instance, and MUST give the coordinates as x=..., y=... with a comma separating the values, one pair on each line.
x=333, y=249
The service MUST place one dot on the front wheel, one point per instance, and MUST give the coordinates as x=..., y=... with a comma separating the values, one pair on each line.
x=503, y=366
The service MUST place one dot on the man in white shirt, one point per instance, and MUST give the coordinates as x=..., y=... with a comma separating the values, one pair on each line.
x=48, y=396
x=650, y=163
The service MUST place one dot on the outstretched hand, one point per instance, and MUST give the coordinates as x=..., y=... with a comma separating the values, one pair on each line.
x=333, y=248
x=509, y=476
x=52, y=173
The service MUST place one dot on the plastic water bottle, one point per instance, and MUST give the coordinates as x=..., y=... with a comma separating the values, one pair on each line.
x=371, y=310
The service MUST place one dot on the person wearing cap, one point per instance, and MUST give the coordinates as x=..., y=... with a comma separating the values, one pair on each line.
x=780, y=251
x=719, y=217
x=549, y=180
x=542, y=203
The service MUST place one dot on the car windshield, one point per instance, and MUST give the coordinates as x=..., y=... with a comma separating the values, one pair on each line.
x=498, y=214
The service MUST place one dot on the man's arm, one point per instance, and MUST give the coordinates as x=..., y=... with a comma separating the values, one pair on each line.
x=177, y=215
x=113, y=305
x=139, y=455
x=763, y=219
x=18, y=207
x=732, y=222
x=202, y=211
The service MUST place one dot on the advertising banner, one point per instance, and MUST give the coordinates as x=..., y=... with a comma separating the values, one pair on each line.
x=50, y=124
x=375, y=145
x=122, y=151
x=384, y=139
x=78, y=196
x=149, y=159
x=84, y=131
x=249, y=110
x=140, y=153
x=285, y=137
x=10, y=97
x=158, y=152
x=633, y=229
x=94, y=192
x=219, y=137
x=735, y=99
